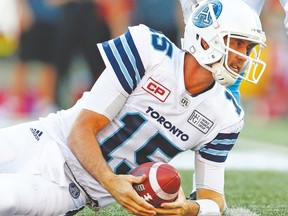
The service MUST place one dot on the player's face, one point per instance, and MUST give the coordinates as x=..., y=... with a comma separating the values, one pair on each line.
x=236, y=61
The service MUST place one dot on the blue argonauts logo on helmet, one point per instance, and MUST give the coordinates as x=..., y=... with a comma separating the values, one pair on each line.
x=202, y=15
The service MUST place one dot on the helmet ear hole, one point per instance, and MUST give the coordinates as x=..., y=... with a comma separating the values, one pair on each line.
x=204, y=44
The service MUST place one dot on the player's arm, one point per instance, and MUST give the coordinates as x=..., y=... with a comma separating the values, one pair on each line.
x=103, y=103
x=209, y=177
x=84, y=145
x=100, y=106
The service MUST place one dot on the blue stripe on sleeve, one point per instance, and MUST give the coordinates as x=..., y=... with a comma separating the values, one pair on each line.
x=116, y=67
x=123, y=69
x=125, y=61
x=135, y=53
x=224, y=136
x=217, y=150
x=131, y=58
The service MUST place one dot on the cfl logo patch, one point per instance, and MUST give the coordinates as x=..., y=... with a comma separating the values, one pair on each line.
x=156, y=89
x=185, y=102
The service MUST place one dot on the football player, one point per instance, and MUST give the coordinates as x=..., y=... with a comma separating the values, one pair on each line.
x=256, y=5
x=152, y=102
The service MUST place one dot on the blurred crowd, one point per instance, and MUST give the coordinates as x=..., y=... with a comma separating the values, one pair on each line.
x=269, y=98
x=48, y=54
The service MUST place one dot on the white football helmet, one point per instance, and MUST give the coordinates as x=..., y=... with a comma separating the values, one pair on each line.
x=211, y=21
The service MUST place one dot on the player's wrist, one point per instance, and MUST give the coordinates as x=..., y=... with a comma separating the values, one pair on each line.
x=107, y=178
x=192, y=208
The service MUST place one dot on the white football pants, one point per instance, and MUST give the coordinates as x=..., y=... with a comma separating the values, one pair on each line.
x=32, y=176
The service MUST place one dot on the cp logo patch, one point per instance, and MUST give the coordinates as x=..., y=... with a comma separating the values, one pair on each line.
x=156, y=89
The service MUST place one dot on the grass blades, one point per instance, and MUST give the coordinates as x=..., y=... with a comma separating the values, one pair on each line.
x=248, y=193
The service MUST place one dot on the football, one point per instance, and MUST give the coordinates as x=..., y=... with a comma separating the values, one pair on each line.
x=161, y=185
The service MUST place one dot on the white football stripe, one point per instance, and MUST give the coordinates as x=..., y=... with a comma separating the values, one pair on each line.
x=156, y=187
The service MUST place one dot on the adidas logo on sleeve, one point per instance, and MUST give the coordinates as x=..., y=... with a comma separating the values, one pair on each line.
x=37, y=133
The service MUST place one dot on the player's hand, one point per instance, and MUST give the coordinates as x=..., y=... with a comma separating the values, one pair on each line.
x=121, y=189
x=181, y=207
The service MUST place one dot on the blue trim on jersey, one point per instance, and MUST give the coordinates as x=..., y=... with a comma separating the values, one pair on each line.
x=125, y=61
x=217, y=150
x=138, y=61
x=127, y=66
x=131, y=62
x=223, y=142
x=235, y=88
x=125, y=163
x=116, y=67
x=215, y=153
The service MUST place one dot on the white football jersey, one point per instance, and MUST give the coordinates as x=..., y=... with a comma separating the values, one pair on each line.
x=153, y=117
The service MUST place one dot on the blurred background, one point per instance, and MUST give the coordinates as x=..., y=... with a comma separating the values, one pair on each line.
x=48, y=57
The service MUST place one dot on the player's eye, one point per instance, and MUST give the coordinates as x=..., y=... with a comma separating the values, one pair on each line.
x=249, y=48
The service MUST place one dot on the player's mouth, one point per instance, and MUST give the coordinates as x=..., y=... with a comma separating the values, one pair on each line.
x=235, y=68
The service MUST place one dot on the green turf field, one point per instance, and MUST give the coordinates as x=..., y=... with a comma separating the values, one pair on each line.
x=274, y=131
x=248, y=193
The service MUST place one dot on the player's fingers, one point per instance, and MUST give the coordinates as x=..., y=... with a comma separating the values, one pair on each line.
x=167, y=212
x=138, y=179
x=139, y=205
x=172, y=205
x=174, y=208
x=133, y=201
x=170, y=212
x=138, y=210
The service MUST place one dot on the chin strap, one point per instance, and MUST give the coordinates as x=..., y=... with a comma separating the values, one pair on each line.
x=221, y=75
